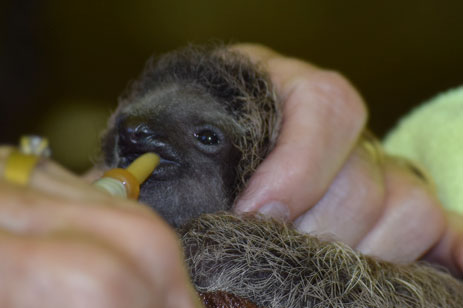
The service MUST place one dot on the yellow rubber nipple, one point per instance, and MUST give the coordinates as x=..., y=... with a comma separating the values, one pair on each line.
x=126, y=182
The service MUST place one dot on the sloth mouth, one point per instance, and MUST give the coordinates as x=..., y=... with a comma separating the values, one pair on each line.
x=169, y=166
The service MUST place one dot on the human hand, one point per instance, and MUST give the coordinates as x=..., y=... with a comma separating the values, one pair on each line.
x=449, y=249
x=328, y=179
x=65, y=244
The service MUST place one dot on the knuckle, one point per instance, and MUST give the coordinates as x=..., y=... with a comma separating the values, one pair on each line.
x=339, y=94
x=334, y=82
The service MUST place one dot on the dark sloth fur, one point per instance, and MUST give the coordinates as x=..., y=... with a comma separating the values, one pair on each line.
x=239, y=86
x=178, y=95
x=264, y=261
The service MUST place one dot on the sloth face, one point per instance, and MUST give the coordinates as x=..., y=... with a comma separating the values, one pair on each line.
x=210, y=114
x=192, y=134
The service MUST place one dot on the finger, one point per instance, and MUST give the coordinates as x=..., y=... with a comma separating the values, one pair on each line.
x=67, y=272
x=145, y=238
x=353, y=203
x=449, y=251
x=50, y=177
x=459, y=255
x=322, y=118
x=412, y=222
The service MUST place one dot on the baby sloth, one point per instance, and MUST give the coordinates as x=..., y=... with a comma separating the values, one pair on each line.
x=212, y=116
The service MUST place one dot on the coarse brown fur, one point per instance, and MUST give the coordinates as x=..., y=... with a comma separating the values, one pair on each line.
x=274, y=266
x=263, y=261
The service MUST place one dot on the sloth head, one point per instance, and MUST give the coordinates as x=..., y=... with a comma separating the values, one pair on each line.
x=211, y=116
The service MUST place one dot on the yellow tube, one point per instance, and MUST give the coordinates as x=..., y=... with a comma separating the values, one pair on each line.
x=143, y=166
x=126, y=182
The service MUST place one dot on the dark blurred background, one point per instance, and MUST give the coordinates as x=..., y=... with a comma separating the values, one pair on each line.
x=63, y=63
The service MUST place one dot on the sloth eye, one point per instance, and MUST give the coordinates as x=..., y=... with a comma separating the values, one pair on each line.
x=207, y=137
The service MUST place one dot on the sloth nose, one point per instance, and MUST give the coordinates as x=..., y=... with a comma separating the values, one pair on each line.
x=134, y=130
x=136, y=137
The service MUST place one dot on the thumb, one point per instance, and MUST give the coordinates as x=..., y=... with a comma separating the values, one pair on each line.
x=323, y=116
x=322, y=119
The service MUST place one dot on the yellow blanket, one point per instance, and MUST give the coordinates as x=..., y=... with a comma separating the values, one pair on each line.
x=432, y=136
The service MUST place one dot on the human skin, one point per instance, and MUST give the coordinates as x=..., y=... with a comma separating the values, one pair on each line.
x=85, y=241
x=65, y=244
x=339, y=186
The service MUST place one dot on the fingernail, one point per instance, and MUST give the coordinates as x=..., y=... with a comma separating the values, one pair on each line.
x=276, y=210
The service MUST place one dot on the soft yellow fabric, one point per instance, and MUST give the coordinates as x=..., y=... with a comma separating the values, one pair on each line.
x=432, y=135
